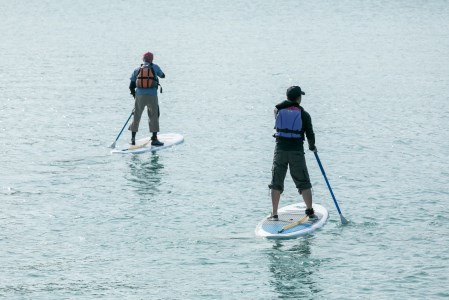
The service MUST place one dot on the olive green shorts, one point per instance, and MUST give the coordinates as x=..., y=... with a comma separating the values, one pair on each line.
x=294, y=160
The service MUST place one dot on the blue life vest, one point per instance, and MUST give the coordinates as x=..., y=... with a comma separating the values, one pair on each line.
x=288, y=123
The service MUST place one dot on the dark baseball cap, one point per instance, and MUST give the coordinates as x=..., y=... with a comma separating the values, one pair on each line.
x=294, y=92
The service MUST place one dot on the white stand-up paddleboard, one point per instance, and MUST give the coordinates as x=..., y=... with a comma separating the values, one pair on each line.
x=289, y=216
x=144, y=145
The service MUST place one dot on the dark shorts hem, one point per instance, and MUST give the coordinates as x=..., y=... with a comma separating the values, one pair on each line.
x=276, y=187
x=293, y=160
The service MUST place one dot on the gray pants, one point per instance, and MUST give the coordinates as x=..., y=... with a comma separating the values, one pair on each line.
x=151, y=102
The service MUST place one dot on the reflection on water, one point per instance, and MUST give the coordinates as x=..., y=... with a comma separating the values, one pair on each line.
x=293, y=270
x=146, y=174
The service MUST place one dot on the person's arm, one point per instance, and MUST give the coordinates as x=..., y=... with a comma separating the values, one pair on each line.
x=158, y=71
x=309, y=131
x=132, y=88
x=132, y=83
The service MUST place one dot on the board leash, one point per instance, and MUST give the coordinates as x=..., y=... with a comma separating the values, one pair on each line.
x=291, y=225
x=136, y=146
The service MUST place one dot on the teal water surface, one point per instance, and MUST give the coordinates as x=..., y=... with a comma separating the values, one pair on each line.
x=79, y=223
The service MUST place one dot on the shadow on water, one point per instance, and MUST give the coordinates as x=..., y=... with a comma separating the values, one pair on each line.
x=293, y=270
x=145, y=174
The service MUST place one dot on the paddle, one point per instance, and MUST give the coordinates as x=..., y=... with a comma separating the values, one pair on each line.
x=343, y=220
x=113, y=144
x=288, y=226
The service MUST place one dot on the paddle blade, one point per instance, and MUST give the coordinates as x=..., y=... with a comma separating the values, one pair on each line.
x=112, y=145
x=343, y=220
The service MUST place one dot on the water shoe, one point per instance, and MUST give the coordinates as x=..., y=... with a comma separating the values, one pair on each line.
x=156, y=143
x=273, y=218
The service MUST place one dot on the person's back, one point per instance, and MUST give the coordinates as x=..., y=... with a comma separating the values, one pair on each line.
x=292, y=141
x=144, y=83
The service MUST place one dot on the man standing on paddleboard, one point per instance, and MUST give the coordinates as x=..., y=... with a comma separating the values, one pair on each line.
x=292, y=123
x=144, y=84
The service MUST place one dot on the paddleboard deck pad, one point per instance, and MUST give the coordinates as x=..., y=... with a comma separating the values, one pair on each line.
x=270, y=229
x=144, y=145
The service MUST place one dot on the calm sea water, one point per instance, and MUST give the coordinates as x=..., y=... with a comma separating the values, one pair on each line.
x=79, y=223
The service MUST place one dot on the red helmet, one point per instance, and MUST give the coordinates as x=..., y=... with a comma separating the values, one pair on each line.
x=148, y=57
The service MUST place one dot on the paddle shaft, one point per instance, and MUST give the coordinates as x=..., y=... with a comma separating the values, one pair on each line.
x=123, y=126
x=327, y=182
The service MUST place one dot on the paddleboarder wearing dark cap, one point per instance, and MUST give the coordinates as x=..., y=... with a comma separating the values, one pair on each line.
x=293, y=124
